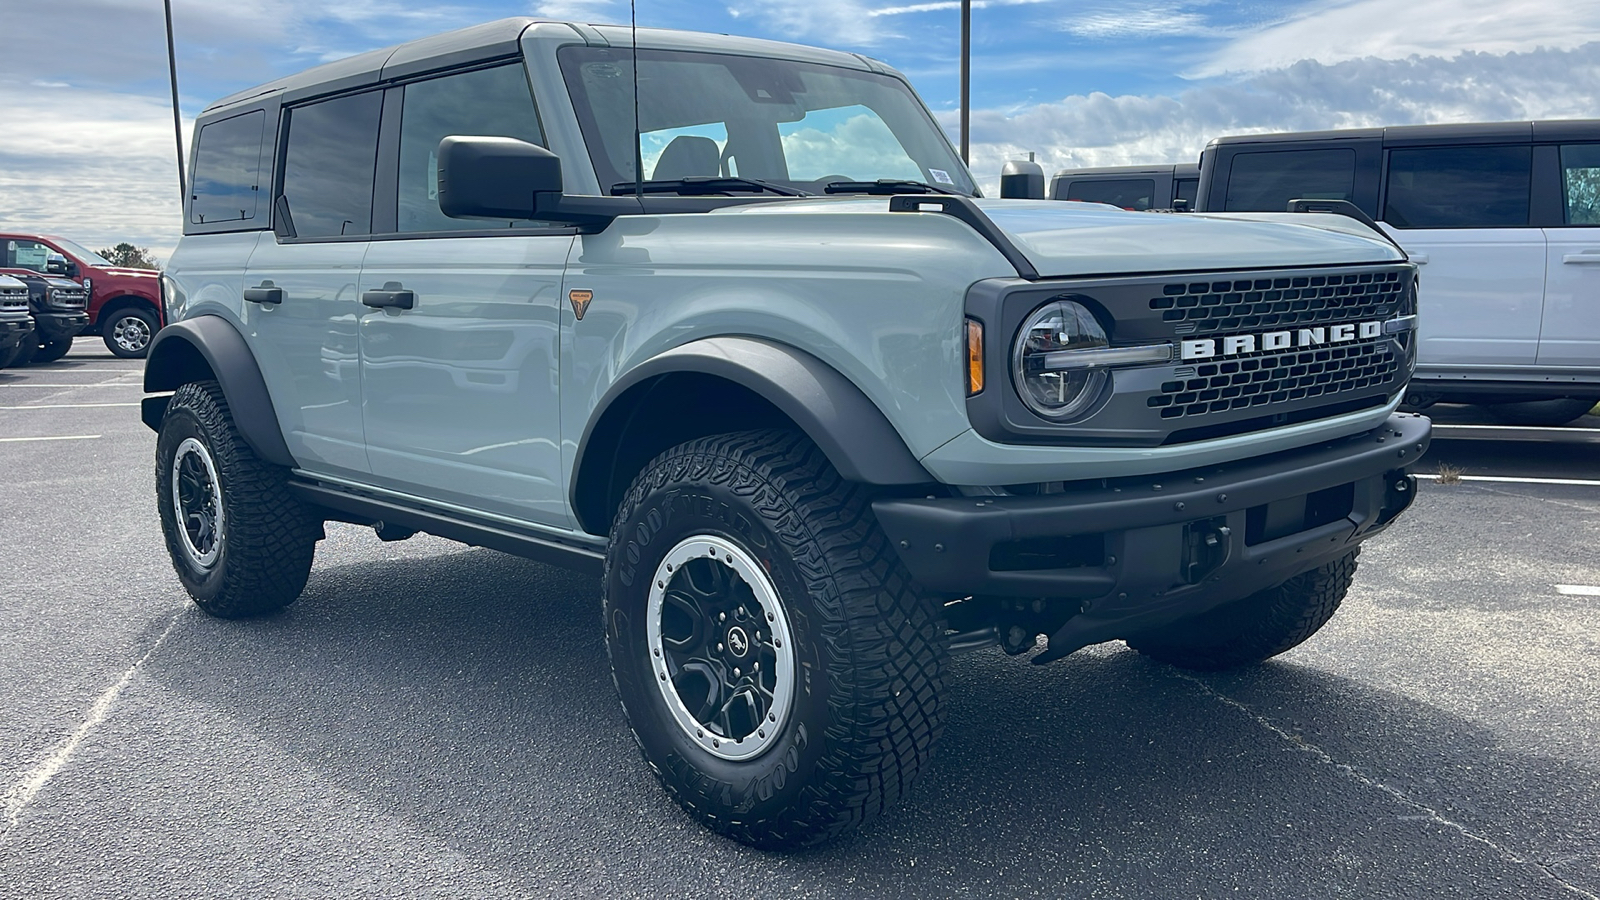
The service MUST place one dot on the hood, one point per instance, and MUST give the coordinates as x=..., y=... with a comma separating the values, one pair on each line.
x=1066, y=238
x=119, y=272
x=11, y=284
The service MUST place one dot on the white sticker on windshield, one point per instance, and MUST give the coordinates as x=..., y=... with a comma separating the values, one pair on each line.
x=941, y=176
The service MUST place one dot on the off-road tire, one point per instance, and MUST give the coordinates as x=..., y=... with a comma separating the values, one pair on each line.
x=868, y=643
x=23, y=353
x=1547, y=413
x=9, y=357
x=1258, y=627
x=267, y=538
x=145, y=316
x=50, y=351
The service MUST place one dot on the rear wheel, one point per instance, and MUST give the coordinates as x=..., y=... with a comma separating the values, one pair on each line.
x=128, y=331
x=1256, y=628
x=240, y=542
x=50, y=351
x=1542, y=412
x=780, y=671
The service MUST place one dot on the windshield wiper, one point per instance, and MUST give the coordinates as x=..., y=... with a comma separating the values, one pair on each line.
x=889, y=186
x=699, y=185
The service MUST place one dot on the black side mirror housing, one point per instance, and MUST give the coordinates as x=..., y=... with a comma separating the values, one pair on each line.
x=502, y=178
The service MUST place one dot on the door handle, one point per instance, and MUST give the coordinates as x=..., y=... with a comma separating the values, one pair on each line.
x=392, y=294
x=1420, y=259
x=267, y=294
x=1589, y=257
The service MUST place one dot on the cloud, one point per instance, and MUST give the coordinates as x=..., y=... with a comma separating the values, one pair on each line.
x=843, y=21
x=1153, y=21
x=580, y=10
x=1101, y=130
x=1331, y=32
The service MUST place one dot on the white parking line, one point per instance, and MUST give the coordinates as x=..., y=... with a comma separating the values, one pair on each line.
x=98, y=384
x=1504, y=479
x=27, y=786
x=69, y=406
x=64, y=437
x=1578, y=590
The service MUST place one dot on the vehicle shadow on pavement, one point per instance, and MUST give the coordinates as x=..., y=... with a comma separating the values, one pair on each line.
x=468, y=697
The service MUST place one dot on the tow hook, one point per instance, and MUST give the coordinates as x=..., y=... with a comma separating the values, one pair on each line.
x=1206, y=548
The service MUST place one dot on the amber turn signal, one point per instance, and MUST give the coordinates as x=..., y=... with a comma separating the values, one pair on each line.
x=974, y=357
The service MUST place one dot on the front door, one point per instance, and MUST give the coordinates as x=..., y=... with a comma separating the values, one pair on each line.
x=1571, y=334
x=1461, y=213
x=459, y=360
x=301, y=308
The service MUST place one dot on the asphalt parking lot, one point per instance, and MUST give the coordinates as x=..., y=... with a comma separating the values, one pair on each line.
x=436, y=720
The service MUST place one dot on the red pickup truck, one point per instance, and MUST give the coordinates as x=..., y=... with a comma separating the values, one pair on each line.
x=124, y=304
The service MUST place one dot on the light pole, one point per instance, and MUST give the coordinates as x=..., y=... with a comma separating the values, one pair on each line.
x=966, y=77
x=177, y=120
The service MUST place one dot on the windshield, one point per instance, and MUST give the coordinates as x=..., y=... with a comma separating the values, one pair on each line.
x=84, y=254
x=797, y=124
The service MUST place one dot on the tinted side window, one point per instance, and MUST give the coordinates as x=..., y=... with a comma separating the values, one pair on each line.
x=1458, y=187
x=328, y=165
x=1266, y=182
x=227, y=170
x=1580, y=182
x=1130, y=193
x=26, y=255
x=486, y=102
x=1187, y=190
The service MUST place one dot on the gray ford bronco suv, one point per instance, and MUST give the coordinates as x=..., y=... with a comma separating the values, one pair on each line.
x=815, y=413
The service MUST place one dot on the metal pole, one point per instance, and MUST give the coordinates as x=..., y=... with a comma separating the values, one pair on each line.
x=177, y=119
x=966, y=76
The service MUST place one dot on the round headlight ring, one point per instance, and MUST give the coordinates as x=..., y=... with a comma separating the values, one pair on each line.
x=1056, y=326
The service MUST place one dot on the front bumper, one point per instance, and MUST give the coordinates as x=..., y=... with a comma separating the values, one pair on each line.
x=58, y=326
x=1140, y=553
x=13, y=331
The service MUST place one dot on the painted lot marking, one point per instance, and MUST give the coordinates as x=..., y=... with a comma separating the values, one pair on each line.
x=69, y=406
x=100, y=384
x=63, y=437
x=1578, y=590
x=1505, y=479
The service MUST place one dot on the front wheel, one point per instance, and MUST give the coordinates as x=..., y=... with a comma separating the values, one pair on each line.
x=1547, y=413
x=1256, y=628
x=50, y=351
x=780, y=671
x=240, y=542
x=127, y=332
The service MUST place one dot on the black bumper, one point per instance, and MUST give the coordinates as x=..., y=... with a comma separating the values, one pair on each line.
x=58, y=326
x=1144, y=552
x=12, y=331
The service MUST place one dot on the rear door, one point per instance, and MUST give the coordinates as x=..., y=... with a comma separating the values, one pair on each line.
x=302, y=324
x=1462, y=214
x=460, y=379
x=1570, y=335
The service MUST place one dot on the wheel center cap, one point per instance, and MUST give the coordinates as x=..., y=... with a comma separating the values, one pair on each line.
x=738, y=641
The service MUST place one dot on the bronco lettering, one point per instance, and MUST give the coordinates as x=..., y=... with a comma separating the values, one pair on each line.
x=1239, y=344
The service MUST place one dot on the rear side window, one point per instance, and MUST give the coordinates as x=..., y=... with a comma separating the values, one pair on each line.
x=1458, y=187
x=1266, y=182
x=328, y=165
x=1580, y=183
x=227, y=170
x=1129, y=193
x=494, y=102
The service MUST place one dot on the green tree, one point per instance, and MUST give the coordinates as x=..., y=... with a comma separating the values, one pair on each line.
x=130, y=257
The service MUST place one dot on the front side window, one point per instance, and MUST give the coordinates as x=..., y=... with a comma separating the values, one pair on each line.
x=227, y=170
x=328, y=165
x=1458, y=187
x=26, y=255
x=1580, y=183
x=1188, y=189
x=797, y=124
x=491, y=102
x=1266, y=182
x=1127, y=193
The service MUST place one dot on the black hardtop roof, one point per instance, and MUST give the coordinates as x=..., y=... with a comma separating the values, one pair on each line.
x=1466, y=132
x=1179, y=170
x=486, y=41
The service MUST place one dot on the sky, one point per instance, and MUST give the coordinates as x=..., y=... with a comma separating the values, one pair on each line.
x=87, y=147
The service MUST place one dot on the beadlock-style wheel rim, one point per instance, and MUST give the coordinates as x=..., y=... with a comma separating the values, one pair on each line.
x=131, y=333
x=197, y=502
x=720, y=647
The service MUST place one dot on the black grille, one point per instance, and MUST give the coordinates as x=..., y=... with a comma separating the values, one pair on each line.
x=1276, y=378
x=1284, y=301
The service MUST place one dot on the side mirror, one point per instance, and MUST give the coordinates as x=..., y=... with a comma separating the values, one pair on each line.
x=56, y=264
x=496, y=178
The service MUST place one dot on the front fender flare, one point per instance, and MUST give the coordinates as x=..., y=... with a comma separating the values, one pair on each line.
x=172, y=363
x=844, y=424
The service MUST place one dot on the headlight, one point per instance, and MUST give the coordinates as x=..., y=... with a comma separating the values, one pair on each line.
x=1061, y=358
